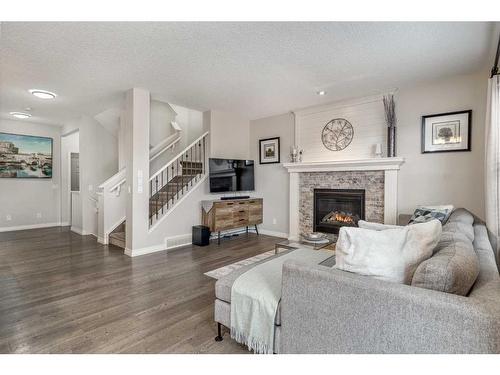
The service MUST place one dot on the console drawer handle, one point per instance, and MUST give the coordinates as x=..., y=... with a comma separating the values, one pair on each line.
x=242, y=219
x=242, y=210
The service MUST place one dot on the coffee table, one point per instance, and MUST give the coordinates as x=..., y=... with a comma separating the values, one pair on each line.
x=293, y=245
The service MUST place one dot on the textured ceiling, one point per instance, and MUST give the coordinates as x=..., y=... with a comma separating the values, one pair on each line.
x=254, y=69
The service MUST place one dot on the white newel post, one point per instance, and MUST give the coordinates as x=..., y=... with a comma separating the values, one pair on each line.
x=390, y=166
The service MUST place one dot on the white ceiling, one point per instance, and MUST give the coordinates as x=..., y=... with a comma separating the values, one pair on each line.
x=254, y=69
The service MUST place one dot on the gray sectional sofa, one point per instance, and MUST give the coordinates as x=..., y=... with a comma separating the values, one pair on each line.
x=324, y=310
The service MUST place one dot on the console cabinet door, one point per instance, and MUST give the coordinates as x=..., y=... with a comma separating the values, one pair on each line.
x=255, y=212
x=223, y=216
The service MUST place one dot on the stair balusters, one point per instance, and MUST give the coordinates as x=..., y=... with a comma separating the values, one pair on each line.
x=167, y=187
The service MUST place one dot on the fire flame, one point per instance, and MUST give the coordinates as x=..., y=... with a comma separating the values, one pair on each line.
x=340, y=217
x=344, y=218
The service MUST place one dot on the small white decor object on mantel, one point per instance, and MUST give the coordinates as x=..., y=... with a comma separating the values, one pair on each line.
x=391, y=254
x=296, y=154
x=378, y=150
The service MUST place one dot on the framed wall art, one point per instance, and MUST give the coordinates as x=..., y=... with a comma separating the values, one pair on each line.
x=269, y=150
x=25, y=156
x=447, y=132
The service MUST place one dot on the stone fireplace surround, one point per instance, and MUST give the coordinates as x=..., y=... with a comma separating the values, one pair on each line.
x=379, y=178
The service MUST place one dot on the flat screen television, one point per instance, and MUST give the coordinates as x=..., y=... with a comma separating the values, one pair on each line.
x=230, y=175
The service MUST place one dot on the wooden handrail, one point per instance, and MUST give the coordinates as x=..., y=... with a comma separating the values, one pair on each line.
x=179, y=155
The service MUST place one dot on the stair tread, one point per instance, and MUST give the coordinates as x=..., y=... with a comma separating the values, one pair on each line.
x=176, y=186
x=118, y=236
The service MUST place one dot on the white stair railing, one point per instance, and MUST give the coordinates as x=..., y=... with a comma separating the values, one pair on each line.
x=112, y=205
x=111, y=202
x=168, y=143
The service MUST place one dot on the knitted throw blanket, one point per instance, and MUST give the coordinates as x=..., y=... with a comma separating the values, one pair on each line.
x=255, y=296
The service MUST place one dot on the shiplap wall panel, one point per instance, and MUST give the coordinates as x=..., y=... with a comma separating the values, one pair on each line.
x=366, y=116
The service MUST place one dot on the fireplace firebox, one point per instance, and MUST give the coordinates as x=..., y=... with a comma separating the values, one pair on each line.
x=334, y=208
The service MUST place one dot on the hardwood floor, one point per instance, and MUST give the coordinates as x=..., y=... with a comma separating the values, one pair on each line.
x=64, y=293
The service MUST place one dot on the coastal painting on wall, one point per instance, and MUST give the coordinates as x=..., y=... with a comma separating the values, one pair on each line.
x=25, y=156
x=269, y=150
x=446, y=132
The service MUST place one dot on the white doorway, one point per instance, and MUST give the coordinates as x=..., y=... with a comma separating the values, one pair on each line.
x=70, y=149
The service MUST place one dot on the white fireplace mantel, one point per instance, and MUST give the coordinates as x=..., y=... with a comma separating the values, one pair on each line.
x=390, y=166
x=378, y=164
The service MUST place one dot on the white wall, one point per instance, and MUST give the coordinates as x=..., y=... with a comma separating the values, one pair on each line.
x=271, y=180
x=160, y=117
x=121, y=143
x=23, y=199
x=452, y=177
x=229, y=135
x=98, y=161
x=366, y=115
x=441, y=178
x=69, y=144
x=190, y=120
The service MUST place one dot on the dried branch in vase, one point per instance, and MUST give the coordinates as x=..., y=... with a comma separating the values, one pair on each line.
x=390, y=110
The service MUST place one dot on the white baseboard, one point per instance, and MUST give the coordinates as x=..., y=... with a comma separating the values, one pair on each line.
x=178, y=241
x=101, y=240
x=31, y=226
x=79, y=231
x=273, y=233
x=144, y=250
x=171, y=243
x=65, y=224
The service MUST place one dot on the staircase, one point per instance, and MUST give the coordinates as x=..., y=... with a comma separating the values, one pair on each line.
x=167, y=188
x=176, y=179
x=174, y=188
x=117, y=237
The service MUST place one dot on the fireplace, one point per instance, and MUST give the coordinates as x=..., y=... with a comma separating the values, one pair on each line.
x=334, y=208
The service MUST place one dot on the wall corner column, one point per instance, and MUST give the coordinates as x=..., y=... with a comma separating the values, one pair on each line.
x=136, y=138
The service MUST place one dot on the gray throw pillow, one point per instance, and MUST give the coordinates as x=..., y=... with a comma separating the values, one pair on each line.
x=453, y=268
x=424, y=214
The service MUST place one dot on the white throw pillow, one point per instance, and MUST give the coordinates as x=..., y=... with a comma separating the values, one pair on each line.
x=376, y=226
x=391, y=254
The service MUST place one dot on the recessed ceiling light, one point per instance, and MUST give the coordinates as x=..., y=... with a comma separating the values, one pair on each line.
x=43, y=94
x=21, y=115
x=321, y=93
